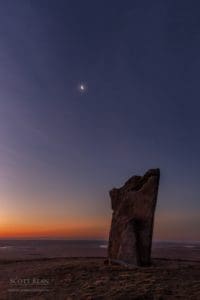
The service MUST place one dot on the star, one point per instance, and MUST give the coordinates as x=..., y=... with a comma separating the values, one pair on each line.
x=82, y=87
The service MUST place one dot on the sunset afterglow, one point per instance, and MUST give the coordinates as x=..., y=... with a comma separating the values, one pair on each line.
x=84, y=107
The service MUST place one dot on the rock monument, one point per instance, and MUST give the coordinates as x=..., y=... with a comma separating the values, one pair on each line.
x=131, y=230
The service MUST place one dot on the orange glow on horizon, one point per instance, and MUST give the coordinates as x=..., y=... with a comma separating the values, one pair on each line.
x=167, y=226
x=78, y=230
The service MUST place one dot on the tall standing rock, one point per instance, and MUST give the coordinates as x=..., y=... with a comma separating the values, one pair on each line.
x=131, y=230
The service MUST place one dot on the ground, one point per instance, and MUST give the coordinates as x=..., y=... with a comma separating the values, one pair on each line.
x=90, y=278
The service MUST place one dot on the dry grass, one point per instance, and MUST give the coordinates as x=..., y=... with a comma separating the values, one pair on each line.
x=89, y=278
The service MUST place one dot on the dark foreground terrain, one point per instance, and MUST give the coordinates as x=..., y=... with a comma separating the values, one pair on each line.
x=90, y=278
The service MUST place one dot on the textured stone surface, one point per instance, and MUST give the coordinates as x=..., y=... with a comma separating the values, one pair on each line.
x=133, y=208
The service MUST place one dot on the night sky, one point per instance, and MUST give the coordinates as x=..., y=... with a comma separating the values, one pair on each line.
x=62, y=148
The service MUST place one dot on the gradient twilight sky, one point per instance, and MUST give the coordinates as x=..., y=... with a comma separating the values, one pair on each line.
x=62, y=149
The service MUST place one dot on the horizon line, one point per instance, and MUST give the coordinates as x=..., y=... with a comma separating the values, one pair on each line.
x=90, y=239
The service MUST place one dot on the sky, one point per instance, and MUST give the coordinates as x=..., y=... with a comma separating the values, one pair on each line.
x=62, y=148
